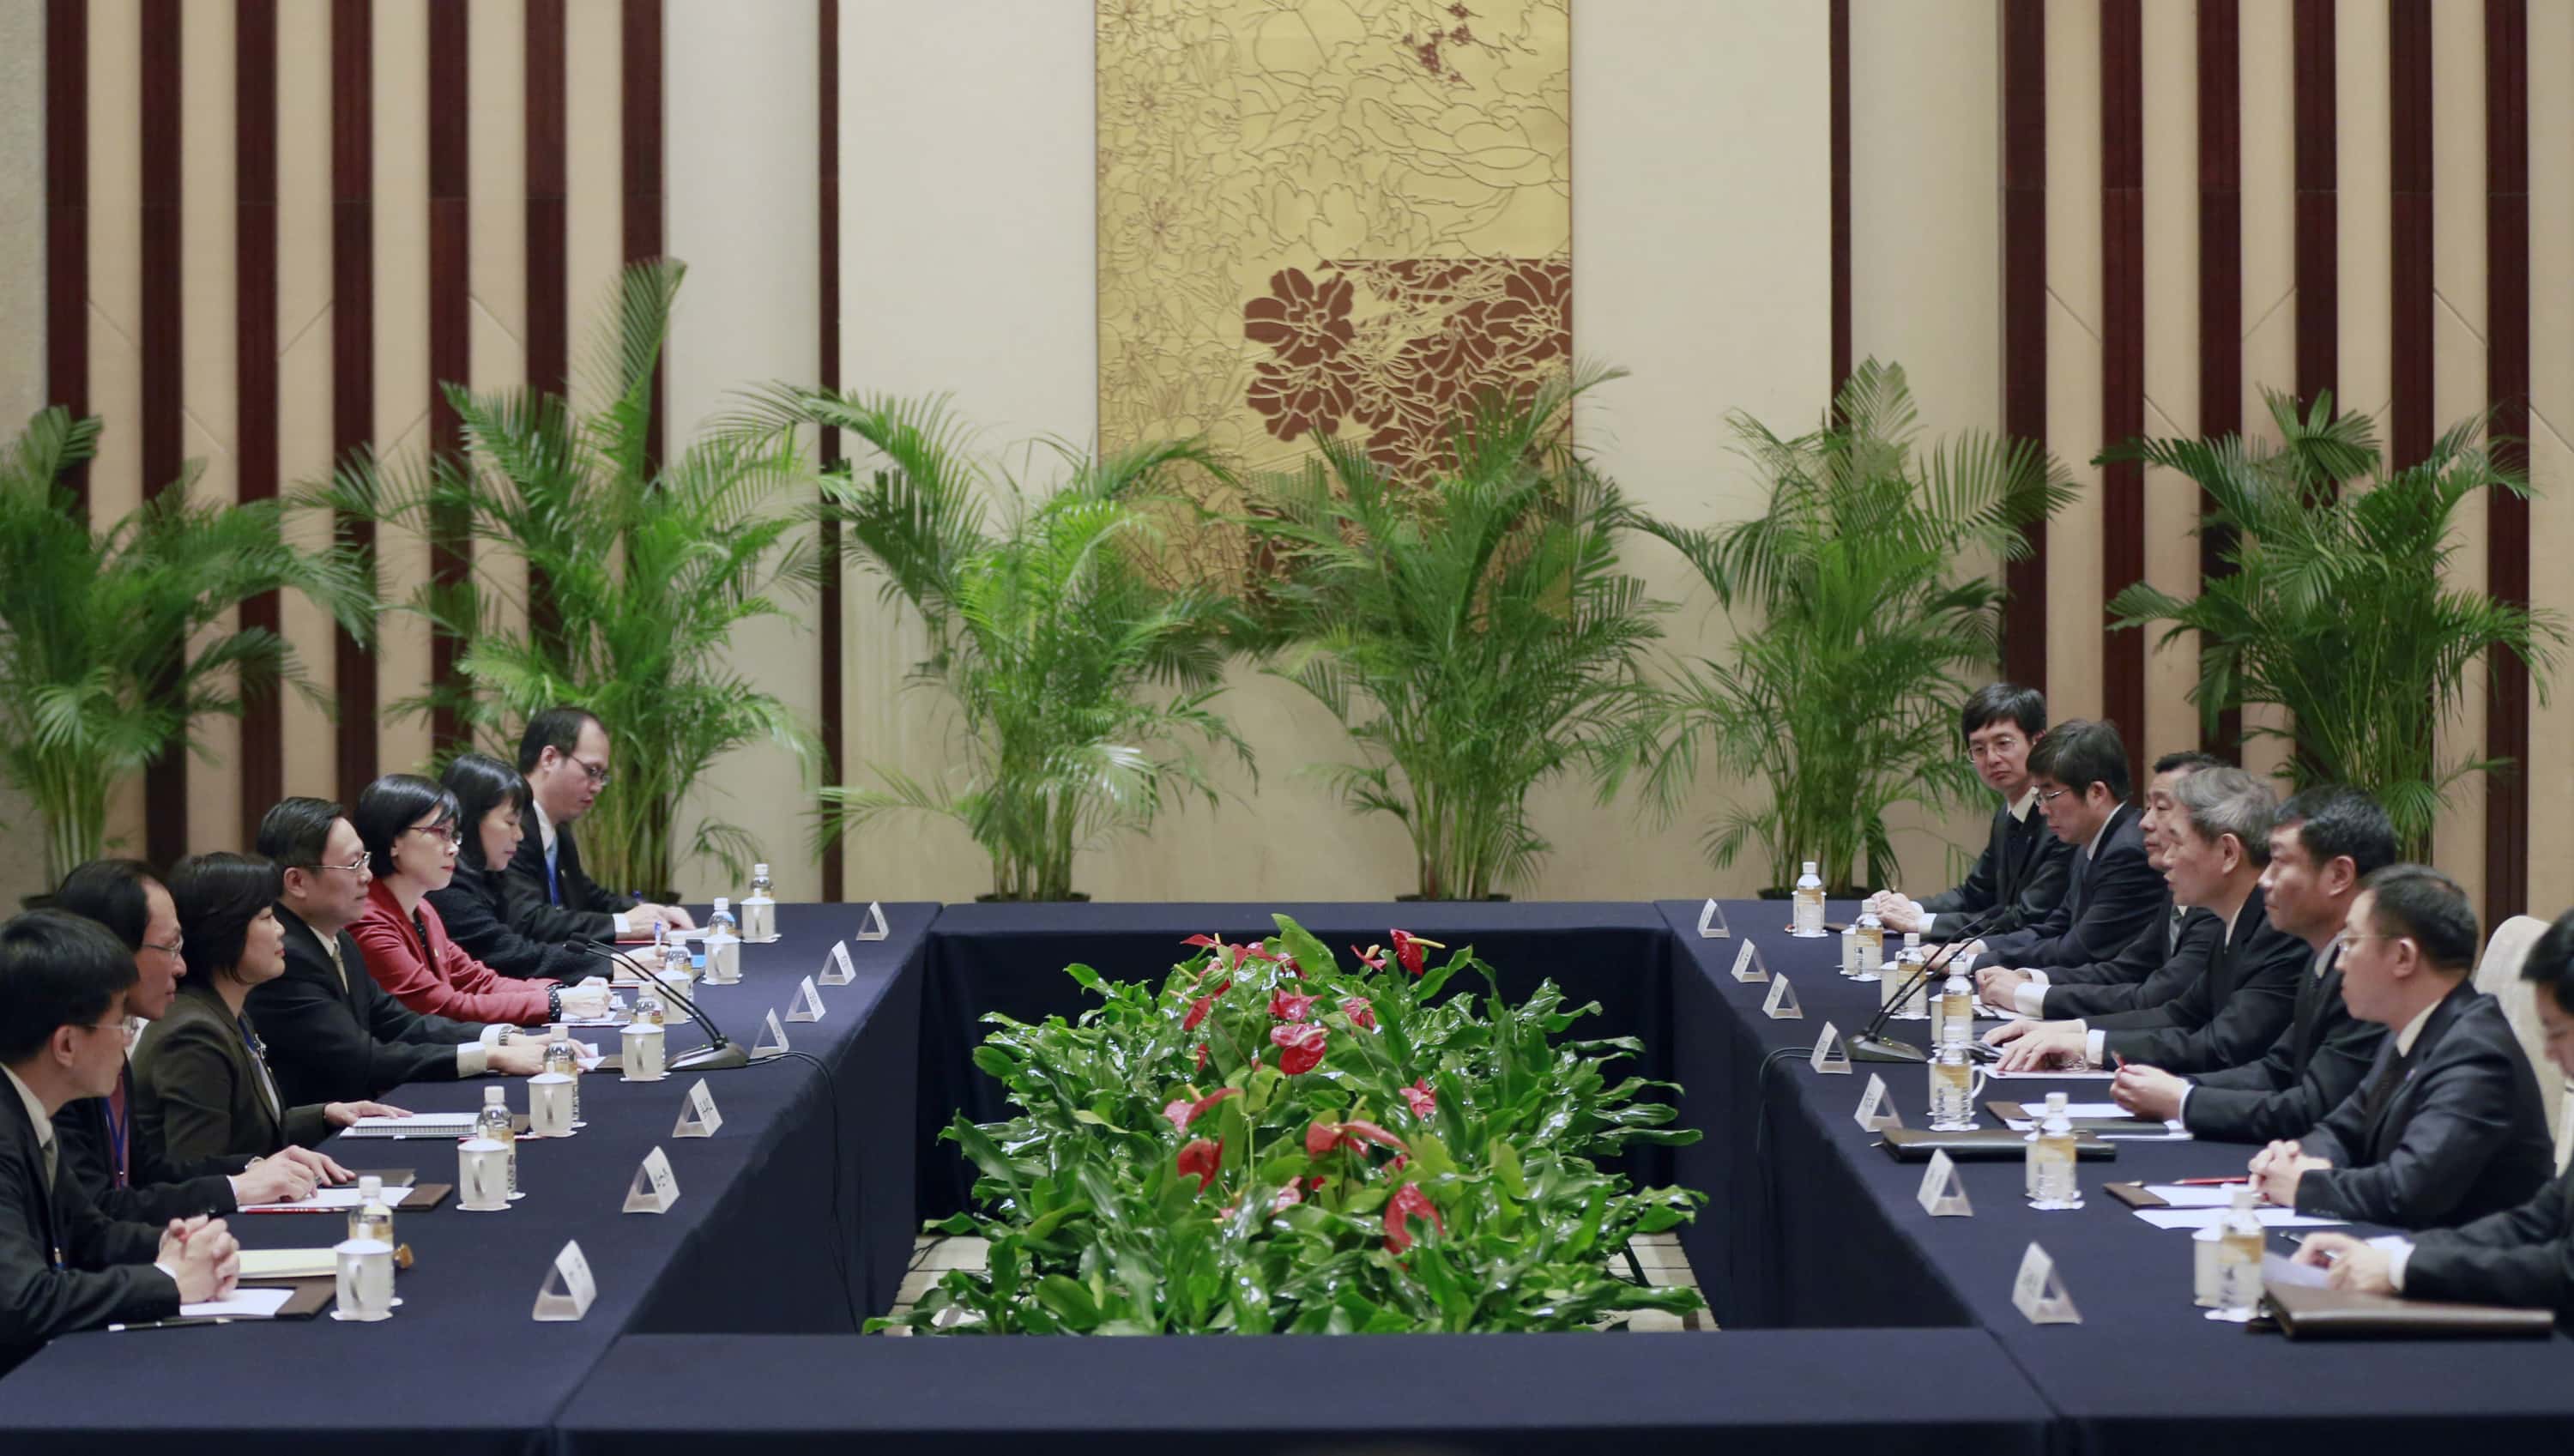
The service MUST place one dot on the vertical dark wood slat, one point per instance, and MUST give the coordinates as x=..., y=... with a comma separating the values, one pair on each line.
x=1838, y=64
x=2409, y=226
x=352, y=350
x=548, y=246
x=827, y=17
x=2220, y=278
x=160, y=341
x=450, y=319
x=2507, y=300
x=255, y=367
x=640, y=109
x=2122, y=355
x=2025, y=313
x=2319, y=217
x=67, y=216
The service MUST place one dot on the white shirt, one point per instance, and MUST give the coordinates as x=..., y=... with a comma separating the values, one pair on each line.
x=546, y=837
x=2019, y=809
x=37, y=1117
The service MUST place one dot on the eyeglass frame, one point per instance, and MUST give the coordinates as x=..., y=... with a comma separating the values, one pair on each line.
x=598, y=777
x=365, y=858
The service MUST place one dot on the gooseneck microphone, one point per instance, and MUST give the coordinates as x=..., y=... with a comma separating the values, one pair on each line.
x=1874, y=1045
x=720, y=1051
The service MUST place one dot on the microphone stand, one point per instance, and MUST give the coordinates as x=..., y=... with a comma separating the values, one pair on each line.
x=721, y=1052
x=1874, y=1045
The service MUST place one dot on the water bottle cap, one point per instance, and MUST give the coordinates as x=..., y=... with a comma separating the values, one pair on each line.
x=370, y=1186
x=491, y=1096
x=2055, y=1102
x=759, y=872
x=722, y=904
x=1809, y=867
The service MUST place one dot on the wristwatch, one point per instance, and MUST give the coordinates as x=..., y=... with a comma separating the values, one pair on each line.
x=553, y=1004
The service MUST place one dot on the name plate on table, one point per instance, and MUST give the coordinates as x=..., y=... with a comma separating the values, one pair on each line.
x=1711, y=922
x=1943, y=1192
x=873, y=926
x=1829, y=1055
x=697, y=1116
x=772, y=1037
x=2038, y=1291
x=1749, y=966
x=568, y=1289
x=655, y=1189
x=809, y=1003
x=1781, y=1003
x=1877, y=1109
x=837, y=971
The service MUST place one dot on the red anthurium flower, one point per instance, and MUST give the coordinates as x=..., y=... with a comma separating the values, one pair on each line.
x=1400, y=1159
x=1288, y=1197
x=1408, y=1203
x=1202, y=1056
x=1407, y=949
x=1204, y=942
x=1198, y=1109
x=1262, y=952
x=1300, y=1048
x=1197, y=1012
x=1372, y=958
x=1177, y=1109
x=1361, y=1014
x=1201, y=1157
x=1289, y=1008
x=1419, y=1100
x=1293, y=969
x=1322, y=1138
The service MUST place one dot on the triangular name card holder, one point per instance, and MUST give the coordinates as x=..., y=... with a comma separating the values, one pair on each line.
x=1749, y=963
x=567, y=1289
x=1782, y=1004
x=1877, y=1108
x=874, y=927
x=809, y=1003
x=2038, y=1291
x=1711, y=922
x=1944, y=1192
x=839, y=970
x=655, y=1189
x=772, y=1037
x=1830, y=1057
x=697, y=1116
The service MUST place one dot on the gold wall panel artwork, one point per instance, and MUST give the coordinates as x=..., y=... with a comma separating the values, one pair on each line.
x=1350, y=216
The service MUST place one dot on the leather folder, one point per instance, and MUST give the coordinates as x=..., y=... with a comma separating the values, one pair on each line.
x=2342, y=1314
x=1984, y=1146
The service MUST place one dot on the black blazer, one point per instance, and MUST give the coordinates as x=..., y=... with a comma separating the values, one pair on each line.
x=581, y=908
x=2108, y=900
x=2169, y=963
x=2321, y=1059
x=199, y=1093
x=2226, y=1016
x=330, y=1041
x=2442, y=1138
x=476, y=911
x=2522, y=1257
x=105, y=1274
x=2021, y=870
x=154, y=1192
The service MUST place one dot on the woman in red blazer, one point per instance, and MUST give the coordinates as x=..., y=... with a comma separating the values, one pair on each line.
x=409, y=825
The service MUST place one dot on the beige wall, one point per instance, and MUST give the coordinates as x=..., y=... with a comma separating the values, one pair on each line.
x=22, y=322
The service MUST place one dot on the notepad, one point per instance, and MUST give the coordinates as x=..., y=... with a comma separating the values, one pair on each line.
x=424, y=1125
x=245, y=1304
x=2194, y=1195
x=289, y=1264
x=2212, y=1218
x=328, y=1200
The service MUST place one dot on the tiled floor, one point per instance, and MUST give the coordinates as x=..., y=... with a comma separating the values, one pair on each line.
x=1652, y=1258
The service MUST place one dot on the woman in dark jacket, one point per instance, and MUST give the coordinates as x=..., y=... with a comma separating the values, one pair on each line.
x=492, y=800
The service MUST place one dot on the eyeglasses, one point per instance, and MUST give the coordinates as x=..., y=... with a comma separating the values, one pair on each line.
x=175, y=948
x=360, y=863
x=448, y=835
x=2050, y=796
x=116, y=1027
x=598, y=775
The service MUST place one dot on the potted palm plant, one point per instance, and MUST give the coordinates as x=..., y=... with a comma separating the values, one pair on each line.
x=114, y=644
x=1082, y=689
x=1474, y=635
x=638, y=571
x=2334, y=606
x=1857, y=629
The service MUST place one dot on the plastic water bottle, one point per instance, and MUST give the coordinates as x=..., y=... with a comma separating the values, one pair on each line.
x=1872, y=943
x=2051, y=1160
x=1954, y=1006
x=1810, y=904
x=758, y=909
x=563, y=1056
x=1898, y=992
x=494, y=1124
x=2238, y=1260
x=649, y=1007
x=724, y=947
x=1953, y=1085
x=373, y=1217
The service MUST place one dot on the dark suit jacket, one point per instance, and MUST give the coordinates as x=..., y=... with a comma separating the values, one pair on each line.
x=2321, y=1059
x=2021, y=870
x=2459, y=1133
x=2169, y=963
x=199, y=1093
x=2522, y=1257
x=106, y=1273
x=2108, y=900
x=2225, y=1017
x=582, y=910
x=476, y=911
x=155, y=1192
x=335, y=1043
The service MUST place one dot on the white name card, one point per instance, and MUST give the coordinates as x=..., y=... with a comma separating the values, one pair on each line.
x=1829, y=1055
x=1782, y=1004
x=838, y=971
x=655, y=1189
x=1711, y=922
x=568, y=1289
x=772, y=1037
x=697, y=1116
x=2038, y=1291
x=809, y=1003
x=1877, y=1108
x=1749, y=966
x=1942, y=1194
x=874, y=927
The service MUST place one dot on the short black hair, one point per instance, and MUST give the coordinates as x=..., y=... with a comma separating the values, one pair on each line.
x=392, y=804
x=218, y=895
x=2189, y=759
x=1995, y=701
x=480, y=785
x=558, y=729
x=2551, y=963
x=296, y=832
x=2081, y=751
x=2426, y=908
x=2336, y=821
x=112, y=893
x=57, y=969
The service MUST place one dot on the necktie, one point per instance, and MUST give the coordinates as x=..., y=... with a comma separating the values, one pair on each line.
x=2382, y=1090
x=116, y=1129
x=45, y=1155
x=554, y=881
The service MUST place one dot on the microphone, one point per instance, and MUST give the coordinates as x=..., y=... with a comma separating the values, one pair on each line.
x=1874, y=1045
x=720, y=1054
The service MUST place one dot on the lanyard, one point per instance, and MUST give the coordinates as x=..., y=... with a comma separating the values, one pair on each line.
x=117, y=1130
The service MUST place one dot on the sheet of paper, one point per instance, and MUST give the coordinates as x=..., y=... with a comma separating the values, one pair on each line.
x=245, y=1304
x=2280, y=1269
x=288, y=1263
x=2212, y=1218
x=326, y=1199
x=2194, y=1195
x=426, y=1125
x=2076, y=1076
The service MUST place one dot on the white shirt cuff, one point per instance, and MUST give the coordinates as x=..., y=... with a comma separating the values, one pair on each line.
x=473, y=1059
x=1928, y=919
x=623, y=929
x=2092, y=1044
x=2181, y=1109
x=2031, y=1000
x=2399, y=1253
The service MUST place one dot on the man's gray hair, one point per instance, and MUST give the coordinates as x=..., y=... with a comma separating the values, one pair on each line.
x=2227, y=801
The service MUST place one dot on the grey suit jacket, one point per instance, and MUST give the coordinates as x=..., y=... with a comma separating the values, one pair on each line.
x=199, y=1093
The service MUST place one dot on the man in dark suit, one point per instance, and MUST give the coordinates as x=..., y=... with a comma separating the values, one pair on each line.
x=98, y=1146
x=64, y=1265
x=2521, y=1256
x=564, y=752
x=2448, y=1126
x=2020, y=874
x=2326, y=840
x=2112, y=895
x=332, y=1034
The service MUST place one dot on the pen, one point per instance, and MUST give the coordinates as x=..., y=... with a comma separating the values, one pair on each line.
x=171, y=1324
x=2211, y=1182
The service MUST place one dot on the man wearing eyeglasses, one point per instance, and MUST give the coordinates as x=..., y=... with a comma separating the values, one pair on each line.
x=564, y=752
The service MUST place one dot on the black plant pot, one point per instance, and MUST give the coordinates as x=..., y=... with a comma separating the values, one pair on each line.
x=1490, y=899
x=1076, y=899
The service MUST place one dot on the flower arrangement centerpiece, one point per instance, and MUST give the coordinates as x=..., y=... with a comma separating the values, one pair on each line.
x=1270, y=1141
